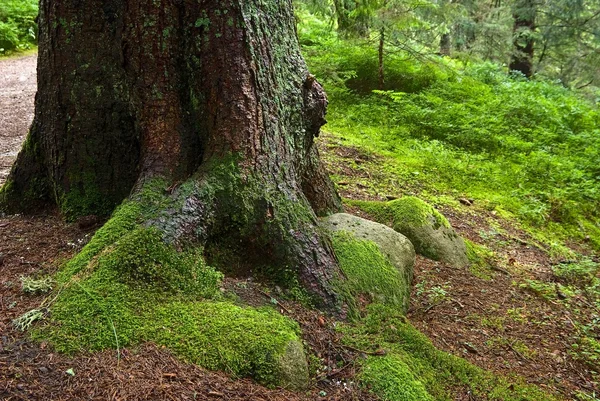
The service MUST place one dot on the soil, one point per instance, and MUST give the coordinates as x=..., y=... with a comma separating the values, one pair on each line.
x=17, y=90
x=486, y=318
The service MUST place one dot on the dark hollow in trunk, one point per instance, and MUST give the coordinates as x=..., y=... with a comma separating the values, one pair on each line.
x=213, y=98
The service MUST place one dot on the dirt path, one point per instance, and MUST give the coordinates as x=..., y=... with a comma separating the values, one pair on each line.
x=17, y=90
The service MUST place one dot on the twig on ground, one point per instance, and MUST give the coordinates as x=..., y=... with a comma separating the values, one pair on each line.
x=275, y=301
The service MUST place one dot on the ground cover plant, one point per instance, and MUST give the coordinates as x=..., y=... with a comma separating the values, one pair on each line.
x=528, y=149
x=472, y=135
x=18, y=25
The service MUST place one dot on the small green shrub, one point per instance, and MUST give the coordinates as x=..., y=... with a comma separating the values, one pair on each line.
x=18, y=29
x=582, y=273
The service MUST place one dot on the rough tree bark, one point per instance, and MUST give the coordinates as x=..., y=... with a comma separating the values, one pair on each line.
x=213, y=98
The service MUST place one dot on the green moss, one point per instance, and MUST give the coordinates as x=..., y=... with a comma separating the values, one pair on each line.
x=222, y=336
x=128, y=286
x=84, y=202
x=95, y=311
x=141, y=258
x=439, y=373
x=414, y=218
x=391, y=379
x=480, y=258
x=368, y=272
x=124, y=219
x=378, y=211
x=31, y=189
x=407, y=211
x=145, y=205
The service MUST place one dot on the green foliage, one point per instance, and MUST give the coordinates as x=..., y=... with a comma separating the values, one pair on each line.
x=525, y=148
x=141, y=258
x=350, y=64
x=368, y=272
x=18, y=29
x=582, y=273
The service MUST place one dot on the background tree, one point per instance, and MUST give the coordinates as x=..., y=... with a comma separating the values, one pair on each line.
x=524, y=12
x=211, y=103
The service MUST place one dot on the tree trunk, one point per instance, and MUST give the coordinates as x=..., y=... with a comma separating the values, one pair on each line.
x=212, y=98
x=342, y=12
x=523, y=41
x=445, y=44
x=381, y=65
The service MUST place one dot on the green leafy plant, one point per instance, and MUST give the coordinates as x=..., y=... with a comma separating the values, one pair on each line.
x=18, y=28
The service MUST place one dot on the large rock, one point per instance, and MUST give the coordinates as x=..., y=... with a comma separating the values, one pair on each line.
x=428, y=230
x=375, y=258
x=293, y=368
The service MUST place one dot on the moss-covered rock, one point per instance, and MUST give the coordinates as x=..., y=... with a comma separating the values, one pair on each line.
x=241, y=341
x=428, y=230
x=376, y=260
x=392, y=379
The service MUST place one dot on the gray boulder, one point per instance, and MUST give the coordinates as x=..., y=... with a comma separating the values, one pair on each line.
x=428, y=230
x=395, y=248
x=293, y=368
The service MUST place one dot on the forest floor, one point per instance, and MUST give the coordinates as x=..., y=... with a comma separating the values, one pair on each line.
x=492, y=316
x=17, y=91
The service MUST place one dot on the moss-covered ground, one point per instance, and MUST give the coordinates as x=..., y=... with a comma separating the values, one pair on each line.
x=127, y=286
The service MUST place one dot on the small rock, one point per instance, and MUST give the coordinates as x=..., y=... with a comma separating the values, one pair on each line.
x=391, y=197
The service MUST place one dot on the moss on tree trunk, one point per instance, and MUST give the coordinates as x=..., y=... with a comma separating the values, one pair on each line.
x=212, y=99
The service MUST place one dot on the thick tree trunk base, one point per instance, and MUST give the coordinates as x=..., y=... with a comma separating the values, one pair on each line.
x=212, y=100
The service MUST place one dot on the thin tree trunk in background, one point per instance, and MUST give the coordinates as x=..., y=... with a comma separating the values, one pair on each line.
x=523, y=41
x=445, y=44
x=381, y=65
x=342, y=14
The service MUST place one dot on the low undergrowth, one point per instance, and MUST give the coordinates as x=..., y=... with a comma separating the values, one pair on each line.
x=526, y=149
x=136, y=289
x=18, y=27
x=577, y=289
